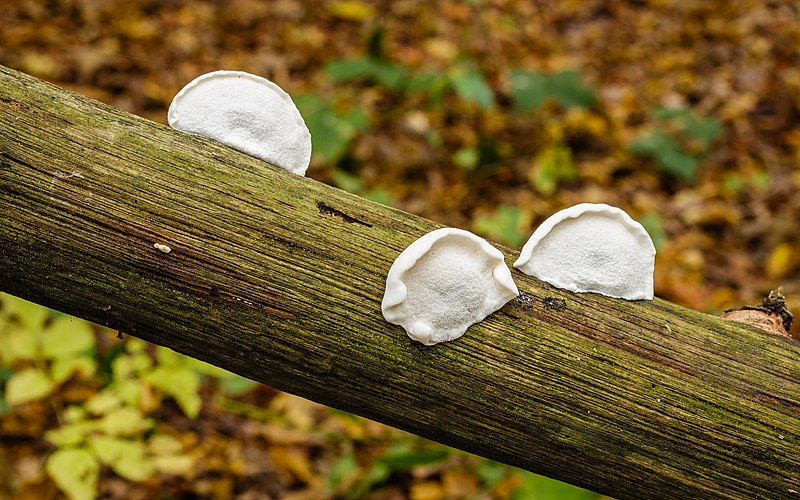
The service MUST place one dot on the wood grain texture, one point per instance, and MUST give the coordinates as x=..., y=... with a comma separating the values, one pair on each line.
x=279, y=278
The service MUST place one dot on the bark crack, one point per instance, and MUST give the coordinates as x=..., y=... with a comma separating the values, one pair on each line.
x=325, y=209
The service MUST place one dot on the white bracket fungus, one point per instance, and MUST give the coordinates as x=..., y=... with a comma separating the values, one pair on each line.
x=444, y=282
x=592, y=248
x=246, y=112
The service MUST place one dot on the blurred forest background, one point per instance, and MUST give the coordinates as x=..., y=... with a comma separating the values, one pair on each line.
x=489, y=115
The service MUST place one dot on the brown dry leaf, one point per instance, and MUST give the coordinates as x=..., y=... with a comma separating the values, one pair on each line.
x=427, y=490
x=26, y=420
x=282, y=435
x=458, y=483
x=295, y=462
x=302, y=413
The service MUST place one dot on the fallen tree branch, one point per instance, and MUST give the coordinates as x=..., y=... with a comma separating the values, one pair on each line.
x=279, y=278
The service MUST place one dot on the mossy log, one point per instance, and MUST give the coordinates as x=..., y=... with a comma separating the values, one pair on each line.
x=279, y=278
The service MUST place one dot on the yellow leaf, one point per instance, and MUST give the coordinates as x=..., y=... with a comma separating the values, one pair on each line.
x=19, y=343
x=352, y=11
x=70, y=434
x=103, y=402
x=427, y=490
x=125, y=456
x=63, y=369
x=780, y=261
x=75, y=471
x=66, y=337
x=163, y=444
x=27, y=313
x=124, y=422
x=28, y=385
x=174, y=464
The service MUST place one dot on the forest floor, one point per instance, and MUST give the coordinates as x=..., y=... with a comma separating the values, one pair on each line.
x=486, y=115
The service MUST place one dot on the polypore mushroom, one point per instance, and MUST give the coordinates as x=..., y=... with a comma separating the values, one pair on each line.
x=246, y=112
x=444, y=282
x=592, y=248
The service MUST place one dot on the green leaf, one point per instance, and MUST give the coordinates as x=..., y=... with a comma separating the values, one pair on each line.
x=329, y=137
x=551, y=167
x=129, y=391
x=704, y=130
x=543, y=488
x=392, y=76
x=760, y=179
x=168, y=357
x=181, y=383
x=126, y=366
x=339, y=470
x=134, y=345
x=655, y=228
x=568, y=90
x=529, y=89
x=376, y=474
x=125, y=421
x=75, y=471
x=678, y=163
x=352, y=184
x=343, y=70
x=507, y=225
x=665, y=113
x=379, y=195
x=668, y=153
x=188, y=400
x=467, y=158
x=733, y=182
x=331, y=131
x=347, y=182
x=435, y=85
x=126, y=457
x=491, y=473
x=28, y=385
x=471, y=86
x=356, y=119
x=103, y=402
x=401, y=459
x=207, y=369
x=30, y=315
x=5, y=374
x=73, y=414
x=63, y=369
x=652, y=143
x=71, y=434
x=236, y=385
x=19, y=343
x=67, y=337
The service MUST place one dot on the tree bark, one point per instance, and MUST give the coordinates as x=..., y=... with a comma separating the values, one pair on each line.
x=279, y=278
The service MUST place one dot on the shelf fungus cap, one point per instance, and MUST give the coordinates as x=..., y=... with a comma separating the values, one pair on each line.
x=444, y=282
x=592, y=248
x=246, y=112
